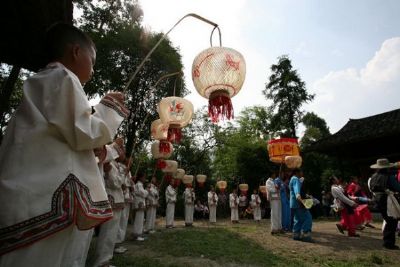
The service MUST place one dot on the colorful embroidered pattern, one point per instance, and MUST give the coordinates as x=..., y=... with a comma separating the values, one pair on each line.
x=71, y=203
x=110, y=102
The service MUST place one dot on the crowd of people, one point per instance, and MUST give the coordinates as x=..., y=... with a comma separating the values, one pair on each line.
x=55, y=190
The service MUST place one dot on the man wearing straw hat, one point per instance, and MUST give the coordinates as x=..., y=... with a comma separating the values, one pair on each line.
x=379, y=184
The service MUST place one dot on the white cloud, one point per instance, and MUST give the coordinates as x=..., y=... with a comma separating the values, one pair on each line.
x=356, y=93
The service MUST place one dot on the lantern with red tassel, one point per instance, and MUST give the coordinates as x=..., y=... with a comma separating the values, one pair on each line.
x=244, y=188
x=159, y=131
x=278, y=149
x=170, y=166
x=161, y=152
x=176, y=112
x=222, y=186
x=187, y=180
x=201, y=179
x=218, y=74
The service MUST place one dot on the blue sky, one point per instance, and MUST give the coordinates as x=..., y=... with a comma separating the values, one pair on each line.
x=347, y=52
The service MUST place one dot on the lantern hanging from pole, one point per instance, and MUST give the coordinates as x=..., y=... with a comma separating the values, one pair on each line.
x=218, y=74
x=222, y=186
x=244, y=188
x=170, y=166
x=263, y=189
x=278, y=149
x=176, y=112
x=187, y=180
x=293, y=162
x=180, y=173
x=201, y=179
x=161, y=154
x=159, y=131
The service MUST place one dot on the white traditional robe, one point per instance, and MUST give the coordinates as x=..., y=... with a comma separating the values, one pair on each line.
x=139, y=204
x=189, y=197
x=212, y=205
x=234, y=205
x=52, y=136
x=123, y=224
x=255, y=204
x=276, y=205
x=170, y=198
x=109, y=230
x=152, y=204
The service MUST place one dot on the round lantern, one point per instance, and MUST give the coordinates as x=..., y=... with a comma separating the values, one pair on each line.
x=263, y=189
x=244, y=188
x=176, y=112
x=201, y=179
x=218, y=74
x=278, y=149
x=170, y=166
x=222, y=186
x=166, y=151
x=159, y=131
x=293, y=162
x=187, y=180
x=180, y=173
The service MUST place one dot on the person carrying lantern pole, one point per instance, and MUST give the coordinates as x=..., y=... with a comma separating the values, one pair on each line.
x=189, y=197
x=212, y=198
x=255, y=204
x=234, y=205
x=52, y=135
x=302, y=220
x=139, y=204
x=170, y=199
x=109, y=230
x=273, y=195
x=152, y=204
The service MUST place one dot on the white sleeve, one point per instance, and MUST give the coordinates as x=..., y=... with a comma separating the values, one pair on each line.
x=68, y=110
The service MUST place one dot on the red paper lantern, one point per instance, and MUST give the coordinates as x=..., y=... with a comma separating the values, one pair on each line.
x=278, y=149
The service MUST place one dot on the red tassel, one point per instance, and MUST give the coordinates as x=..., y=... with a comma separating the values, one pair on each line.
x=177, y=182
x=220, y=106
x=164, y=147
x=201, y=184
x=174, y=135
x=188, y=185
x=161, y=164
x=244, y=193
x=168, y=178
x=222, y=190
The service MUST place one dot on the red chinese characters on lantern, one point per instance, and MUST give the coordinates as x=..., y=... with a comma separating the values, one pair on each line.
x=278, y=149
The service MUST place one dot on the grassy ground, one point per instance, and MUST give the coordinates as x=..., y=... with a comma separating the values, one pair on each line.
x=250, y=244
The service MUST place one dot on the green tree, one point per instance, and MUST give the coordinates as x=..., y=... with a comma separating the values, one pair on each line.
x=288, y=93
x=121, y=44
x=255, y=121
x=316, y=128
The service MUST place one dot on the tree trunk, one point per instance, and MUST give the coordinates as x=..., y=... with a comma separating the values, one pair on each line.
x=5, y=95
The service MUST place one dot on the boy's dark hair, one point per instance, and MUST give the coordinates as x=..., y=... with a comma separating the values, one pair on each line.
x=59, y=35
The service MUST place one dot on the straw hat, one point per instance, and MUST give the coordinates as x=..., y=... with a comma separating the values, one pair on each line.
x=382, y=164
x=308, y=203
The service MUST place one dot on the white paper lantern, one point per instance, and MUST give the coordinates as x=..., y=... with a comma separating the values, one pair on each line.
x=180, y=173
x=159, y=130
x=218, y=74
x=170, y=166
x=201, y=179
x=161, y=154
x=177, y=112
x=293, y=162
x=244, y=188
x=222, y=185
x=187, y=179
x=262, y=189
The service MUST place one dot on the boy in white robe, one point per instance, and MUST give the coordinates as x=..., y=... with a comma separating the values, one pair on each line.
x=212, y=198
x=56, y=185
x=152, y=204
x=276, y=205
x=170, y=198
x=107, y=238
x=189, y=197
x=255, y=204
x=234, y=205
x=139, y=204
